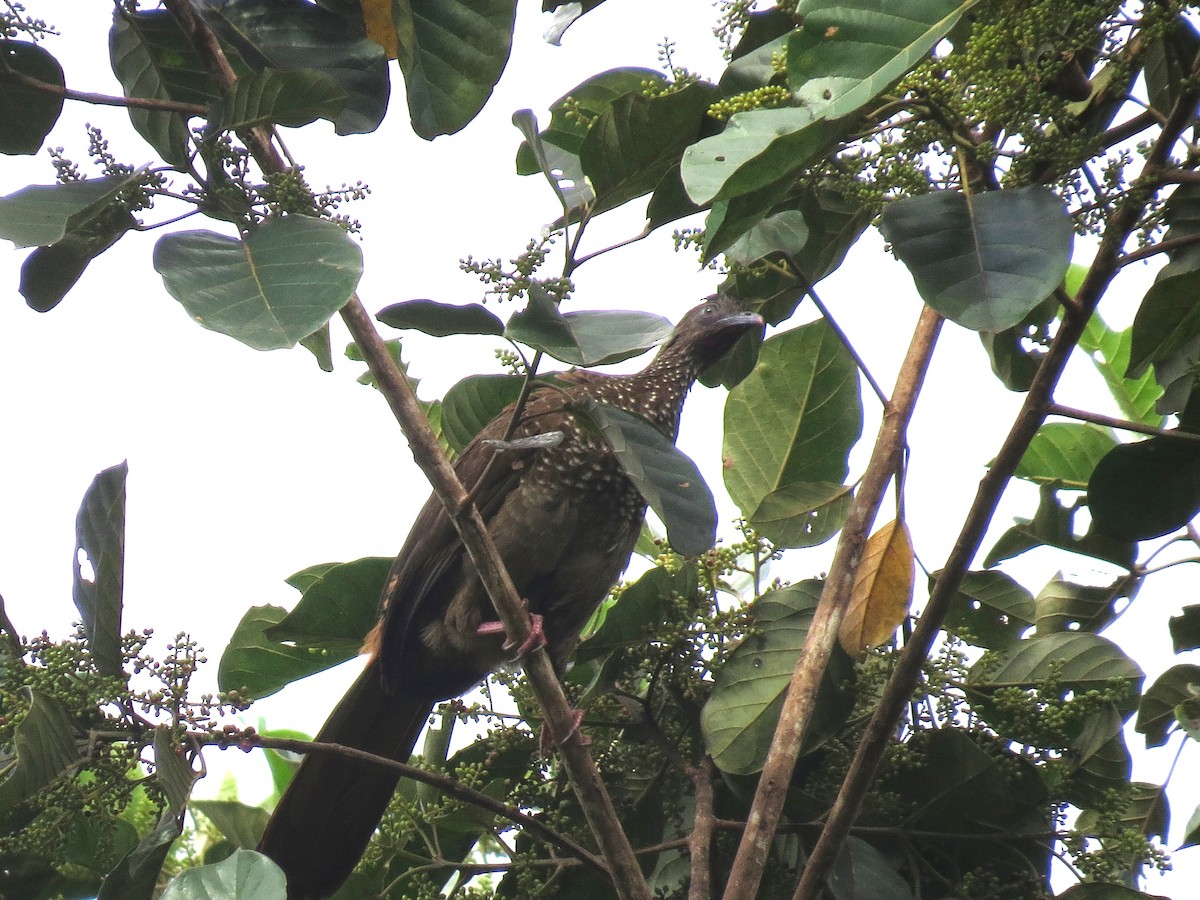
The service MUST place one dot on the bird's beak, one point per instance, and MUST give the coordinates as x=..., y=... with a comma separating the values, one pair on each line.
x=741, y=320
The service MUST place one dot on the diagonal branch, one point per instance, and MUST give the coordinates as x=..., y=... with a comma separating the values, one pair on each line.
x=908, y=666
x=801, y=696
x=511, y=611
x=58, y=90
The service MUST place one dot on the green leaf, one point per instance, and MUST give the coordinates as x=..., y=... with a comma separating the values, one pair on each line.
x=791, y=422
x=1167, y=319
x=44, y=743
x=1075, y=661
x=983, y=261
x=989, y=610
x=641, y=606
x=741, y=713
x=171, y=770
x=256, y=666
x=1146, y=489
x=336, y=610
x=573, y=113
x=1064, y=454
x=1101, y=757
x=292, y=98
x=100, y=543
x=241, y=825
x=288, y=35
x=1017, y=352
x=1191, y=833
x=1053, y=525
x=862, y=871
x=441, y=319
x=41, y=214
x=846, y=54
x=1109, y=351
x=27, y=115
x=663, y=474
x=1156, y=717
x=561, y=167
x=283, y=282
x=473, y=402
x=48, y=273
x=1065, y=606
x=461, y=49
x=1185, y=629
x=637, y=140
x=803, y=514
x=586, y=338
x=783, y=232
x=244, y=874
x=154, y=60
x=136, y=876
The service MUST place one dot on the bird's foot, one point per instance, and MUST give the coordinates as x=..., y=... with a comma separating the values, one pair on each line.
x=536, y=639
x=546, y=740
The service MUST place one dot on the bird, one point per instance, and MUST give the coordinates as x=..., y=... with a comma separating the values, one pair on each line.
x=564, y=519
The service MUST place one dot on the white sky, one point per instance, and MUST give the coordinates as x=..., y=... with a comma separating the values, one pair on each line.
x=246, y=467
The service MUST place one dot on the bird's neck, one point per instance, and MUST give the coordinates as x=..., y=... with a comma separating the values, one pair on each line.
x=656, y=393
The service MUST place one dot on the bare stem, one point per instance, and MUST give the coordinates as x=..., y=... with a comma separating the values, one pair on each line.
x=58, y=90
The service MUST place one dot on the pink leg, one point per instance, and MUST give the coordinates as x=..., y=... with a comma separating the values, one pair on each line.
x=537, y=636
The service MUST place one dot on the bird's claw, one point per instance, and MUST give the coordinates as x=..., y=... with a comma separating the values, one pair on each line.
x=536, y=639
x=546, y=740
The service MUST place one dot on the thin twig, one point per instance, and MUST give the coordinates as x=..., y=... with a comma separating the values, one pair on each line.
x=444, y=783
x=581, y=769
x=909, y=664
x=58, y=90
x=1164, y=246
x=1083, y=415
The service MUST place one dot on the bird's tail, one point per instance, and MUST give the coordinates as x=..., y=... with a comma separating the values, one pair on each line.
x=328, y=813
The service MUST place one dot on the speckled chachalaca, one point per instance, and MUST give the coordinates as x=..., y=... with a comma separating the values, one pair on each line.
x=564, y=520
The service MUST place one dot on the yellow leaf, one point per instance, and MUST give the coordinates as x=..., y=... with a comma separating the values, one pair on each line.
x=882, y=590
x=377, y=21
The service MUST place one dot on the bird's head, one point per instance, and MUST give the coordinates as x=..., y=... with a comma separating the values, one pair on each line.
x=708, y=331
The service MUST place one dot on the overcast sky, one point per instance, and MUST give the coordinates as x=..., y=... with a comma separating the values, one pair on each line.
x=246, y=467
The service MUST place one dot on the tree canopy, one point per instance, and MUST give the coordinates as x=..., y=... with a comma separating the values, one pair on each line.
x=850, y=731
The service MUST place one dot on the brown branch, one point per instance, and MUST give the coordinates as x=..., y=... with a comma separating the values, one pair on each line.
x=1033, y=412
x=1165, y=246
x=511, y=611
x=58, y=90
x=822, y=633
x=1083, y=415
x=703, y=826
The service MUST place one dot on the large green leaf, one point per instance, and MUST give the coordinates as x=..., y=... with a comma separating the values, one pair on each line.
x=1066, y=606
x=638, y=139
x=241, y=825
x=100, y=544
x=1109, y=351
x=136, y=876
x=337, y=609
x=441, y=319
x=45, y=748
x=461, y=49
x=983, y=261
x=154, y=60
x=1156, y=712
x=588, y=337
x=27, y=115
x=41, y=214
x=846, y=53
x=562, y=168
x=573, y=113
x=281, y=283
x=1053, y=525
x=171, y=771
x=256, y=666
x=640, y=607
x=473, y=402
x=290, y=98
x=664, y=475
x=244, y=874
x=1146, y=489
x=1064, y=454
x=990, y=610
x=1167, y=319
x=294, y=34
x=1074, y=661
x=1017, y=352
x=48, y=273
x=741, y=713
x=862, y=871
x=1185, y=629
x=789, y=428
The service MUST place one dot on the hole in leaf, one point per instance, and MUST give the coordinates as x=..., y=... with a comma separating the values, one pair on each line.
x=86, y=571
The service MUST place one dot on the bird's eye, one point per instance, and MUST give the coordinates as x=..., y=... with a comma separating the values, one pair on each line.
x=710, y=309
